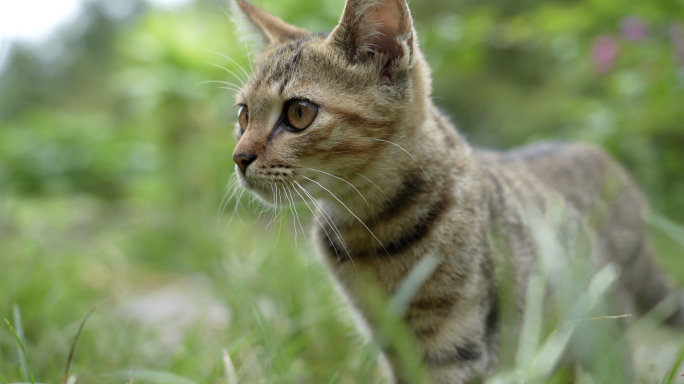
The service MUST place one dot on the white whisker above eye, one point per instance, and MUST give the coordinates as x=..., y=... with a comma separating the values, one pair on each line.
x=242, y=69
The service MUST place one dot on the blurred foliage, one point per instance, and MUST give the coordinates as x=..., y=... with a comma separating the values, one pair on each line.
x=115, y=151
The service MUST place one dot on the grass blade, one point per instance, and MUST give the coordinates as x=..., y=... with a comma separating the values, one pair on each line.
x=151, y=376
x=65, y=377
x=3, y=380
x=670, y=376
x=16, y=314
x=23, y=350
x=668, y=227
x=412, y=283
x=231, y=377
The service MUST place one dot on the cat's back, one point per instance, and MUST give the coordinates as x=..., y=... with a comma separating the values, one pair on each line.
x=581, y=173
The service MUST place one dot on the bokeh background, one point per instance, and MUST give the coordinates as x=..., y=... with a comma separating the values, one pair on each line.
x=115, y=153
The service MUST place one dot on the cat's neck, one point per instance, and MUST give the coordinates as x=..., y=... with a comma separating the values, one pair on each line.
x=413, y=167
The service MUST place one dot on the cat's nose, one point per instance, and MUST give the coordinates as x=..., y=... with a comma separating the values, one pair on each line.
x=243, y=160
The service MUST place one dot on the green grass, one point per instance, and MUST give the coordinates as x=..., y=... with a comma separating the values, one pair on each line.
x=113, y=189
x=268, y=304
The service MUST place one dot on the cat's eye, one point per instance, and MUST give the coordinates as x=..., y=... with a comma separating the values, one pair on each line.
x=243, y=117
x=301, y=113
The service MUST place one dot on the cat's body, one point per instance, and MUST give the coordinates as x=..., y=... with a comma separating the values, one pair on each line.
x=392, y=181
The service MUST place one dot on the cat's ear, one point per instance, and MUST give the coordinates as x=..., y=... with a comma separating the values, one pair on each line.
x=372, y=28
x=271, y=29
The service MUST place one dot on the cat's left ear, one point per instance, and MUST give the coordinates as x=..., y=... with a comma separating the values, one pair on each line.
x=372, y=29
x=272, y=29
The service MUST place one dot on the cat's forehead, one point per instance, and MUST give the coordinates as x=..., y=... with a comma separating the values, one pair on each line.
x=278, y=64
x=307, y=63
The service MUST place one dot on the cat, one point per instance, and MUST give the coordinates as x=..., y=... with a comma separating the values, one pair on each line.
x=344, y=122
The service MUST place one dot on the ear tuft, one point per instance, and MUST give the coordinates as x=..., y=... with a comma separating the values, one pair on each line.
x=372, y=28
x=272, y=29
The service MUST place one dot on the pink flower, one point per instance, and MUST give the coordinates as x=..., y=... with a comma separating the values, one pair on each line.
x=604, y=52
x=633, y=28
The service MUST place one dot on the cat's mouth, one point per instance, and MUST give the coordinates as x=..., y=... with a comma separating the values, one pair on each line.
x=273, y=186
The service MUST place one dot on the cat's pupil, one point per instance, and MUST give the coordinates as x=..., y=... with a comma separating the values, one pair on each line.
x=300, y=112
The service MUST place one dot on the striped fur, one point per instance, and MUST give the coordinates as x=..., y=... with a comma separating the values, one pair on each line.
x=391, y=180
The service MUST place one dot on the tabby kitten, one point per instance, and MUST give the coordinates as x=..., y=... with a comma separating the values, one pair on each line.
x=345, y=122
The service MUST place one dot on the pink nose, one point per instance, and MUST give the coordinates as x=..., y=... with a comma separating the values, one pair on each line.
x=243, y=160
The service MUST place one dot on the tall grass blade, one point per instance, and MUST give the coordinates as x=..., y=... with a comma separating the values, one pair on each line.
x=672, y=372
x=66, y=377
x=150, y=376
x=23, y=352
x=532, y=319
x=668, y=227
x=412, y=283
x=231, y=377
x=2, y=379
x=16, y=316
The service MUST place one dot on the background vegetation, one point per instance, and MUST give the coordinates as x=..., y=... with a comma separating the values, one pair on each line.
x=114, y=159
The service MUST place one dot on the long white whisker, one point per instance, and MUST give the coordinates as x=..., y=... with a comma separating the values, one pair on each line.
x=352, y=213
x=235, y=209
x=220, y=82
x=231, y=60
x=294, y=217
x=294, y=210
x=407, y=152
x=242, y=36
x=226, y=69
x=334, y=228
x=230, y=192
x=325, y=215
x=371, y=181
x=280, y=228
x=323, y=227
x=339, y=178
x=230, y=89
x=274, y=192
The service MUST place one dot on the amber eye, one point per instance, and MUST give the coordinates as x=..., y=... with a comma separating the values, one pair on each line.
x=243, y=117
x=301, y=113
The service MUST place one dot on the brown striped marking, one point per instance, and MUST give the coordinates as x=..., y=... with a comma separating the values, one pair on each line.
x=354, y=118
x=409, y=194
x=420, y=230
x=458, y=354
x=424, y=225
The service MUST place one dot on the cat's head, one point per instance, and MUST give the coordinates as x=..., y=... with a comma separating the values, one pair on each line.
x=319, y=110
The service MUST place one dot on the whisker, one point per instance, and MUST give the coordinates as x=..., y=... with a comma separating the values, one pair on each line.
x=230, y=190
x=407, y=152
x=326, y=216
x=352, y=213
x=339, y=178
x=333, y=226
x=225, y=69
x=294, y=211
x=280, y=227
x=235, y=209
x=274, y=193
x=242, y=36
x=294, y=218
x=371, y=181
x=323, y=227
x=231, y=60
x=227, y=83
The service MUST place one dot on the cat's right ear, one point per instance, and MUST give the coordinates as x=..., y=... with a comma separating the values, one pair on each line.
x=375, y=30
x=269, y=29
